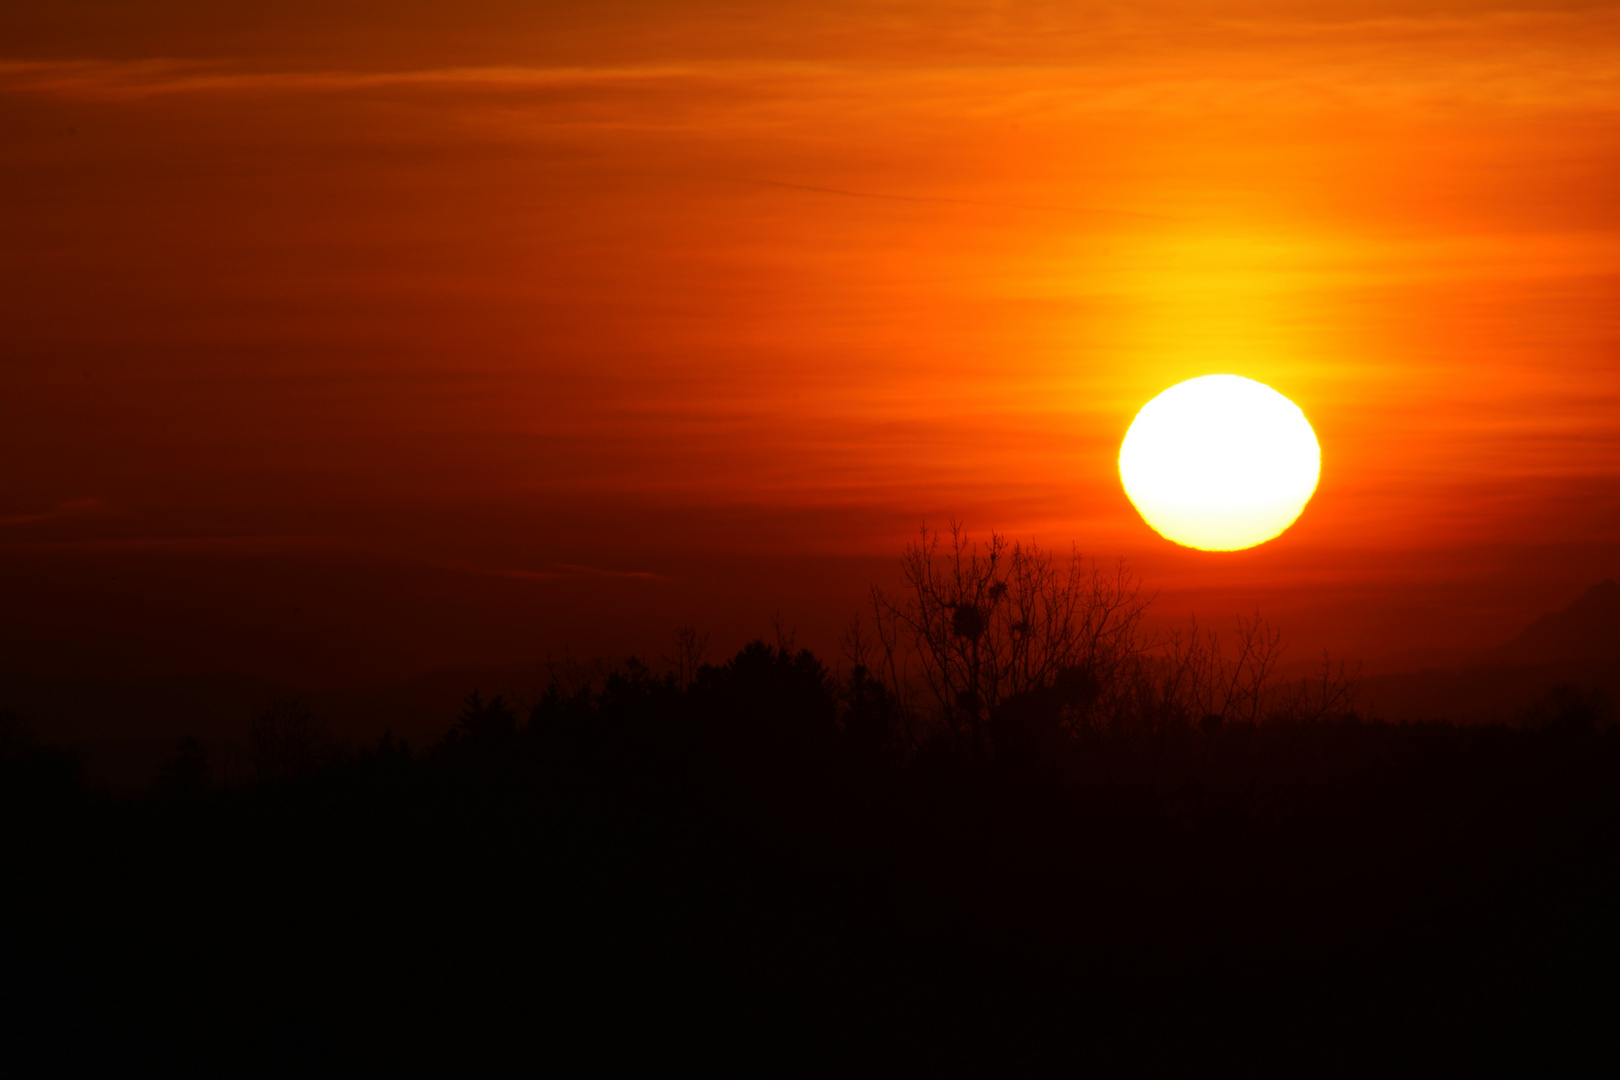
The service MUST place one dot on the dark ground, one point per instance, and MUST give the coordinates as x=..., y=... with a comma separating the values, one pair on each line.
x=751, y=872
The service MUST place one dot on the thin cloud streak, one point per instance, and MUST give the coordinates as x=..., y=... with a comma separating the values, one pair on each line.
x=563, y=572
x=71, y=508
x=993, y=204
x=153, y=78
x=189, y=544
x=276, y=543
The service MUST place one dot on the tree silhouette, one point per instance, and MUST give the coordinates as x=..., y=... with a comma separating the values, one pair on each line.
x=186, y=774
x=486, y=723
x=976, y=625
x=687, y=655
x=288, y=742
x=1121, y=842
x=1568, y=708
x=872, y=718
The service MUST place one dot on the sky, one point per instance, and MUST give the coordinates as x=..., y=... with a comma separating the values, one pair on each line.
x=347, y=340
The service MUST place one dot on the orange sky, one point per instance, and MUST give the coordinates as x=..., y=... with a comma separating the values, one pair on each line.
x=346, y=340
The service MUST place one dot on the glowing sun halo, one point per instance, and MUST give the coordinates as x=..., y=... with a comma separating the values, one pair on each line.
x=1220, y=463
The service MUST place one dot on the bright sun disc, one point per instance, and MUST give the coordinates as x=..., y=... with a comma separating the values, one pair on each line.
x=1220, y=463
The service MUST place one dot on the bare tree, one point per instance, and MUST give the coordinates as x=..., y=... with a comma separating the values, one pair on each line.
x=185, y=775
x=1198, y=677
x=975, y=625
x=571, y=678
x=288, y=742
x=860, y=648
x=1193, y=675
x=690, y=647
x=1330, y=691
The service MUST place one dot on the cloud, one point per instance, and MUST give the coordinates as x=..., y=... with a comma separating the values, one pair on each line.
x=1000, y=204
x=1055, y=57
x=72, y=508
x=273, y=543
x=591, y=571
x=187, y=544
x=128, y=80
x=558, y=572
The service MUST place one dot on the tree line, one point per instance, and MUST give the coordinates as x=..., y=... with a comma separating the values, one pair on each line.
x=1007, y=829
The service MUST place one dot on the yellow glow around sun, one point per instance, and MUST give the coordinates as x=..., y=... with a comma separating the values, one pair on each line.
x=1220, y=463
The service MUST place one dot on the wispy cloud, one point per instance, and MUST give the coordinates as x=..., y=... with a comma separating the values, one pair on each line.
x=892, y=197
x=272, y=543
x=557, y=572
x=125, y=80
x=1202, y=57
x=180, y=544
x=72, y=508
x=592, y=571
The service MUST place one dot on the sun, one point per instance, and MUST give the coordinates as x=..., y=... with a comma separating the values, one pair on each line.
x=1220, y=463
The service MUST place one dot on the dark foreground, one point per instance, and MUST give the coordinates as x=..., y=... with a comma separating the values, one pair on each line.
x=757, y=870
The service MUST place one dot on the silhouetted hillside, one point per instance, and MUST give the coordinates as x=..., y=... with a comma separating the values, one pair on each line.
x=1484, y=693
x=1577, y=646
x=1587, y=630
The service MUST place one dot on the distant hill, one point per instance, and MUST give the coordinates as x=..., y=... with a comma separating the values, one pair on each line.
x=1578, y=645
x=1587, y=630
